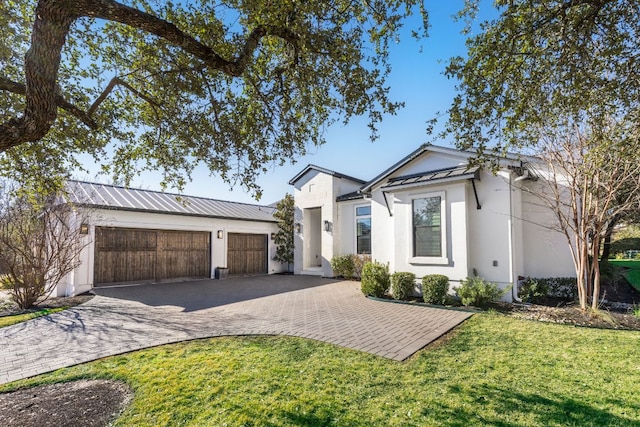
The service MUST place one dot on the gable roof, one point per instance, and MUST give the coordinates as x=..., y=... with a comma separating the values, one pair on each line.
x=311, y=167
x=417, y=153
x=103, y=196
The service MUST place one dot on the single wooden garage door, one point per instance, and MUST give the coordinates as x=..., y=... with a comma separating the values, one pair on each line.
x=247, y=254
x=127, y=255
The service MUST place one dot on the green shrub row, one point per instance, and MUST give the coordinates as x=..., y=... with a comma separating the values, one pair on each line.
x=533, y=289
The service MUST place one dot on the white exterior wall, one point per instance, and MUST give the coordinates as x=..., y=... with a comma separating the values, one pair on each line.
x=81, y=279
x=546, y=251
x=395, y=240
x=319, y=190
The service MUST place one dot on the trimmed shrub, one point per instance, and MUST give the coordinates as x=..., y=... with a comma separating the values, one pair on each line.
x=531, y=290
x=402, y=285
x=478, y=292
x=435, y=288
x=375, y=279
x=343, y=265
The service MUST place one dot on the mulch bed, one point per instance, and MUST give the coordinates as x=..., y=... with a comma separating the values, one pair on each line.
x=87, y=403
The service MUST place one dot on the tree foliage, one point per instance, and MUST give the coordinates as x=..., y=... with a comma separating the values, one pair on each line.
x=40, y=243
x=545, y=64
x=158, y=85
x=284, y=213
x=591, y=178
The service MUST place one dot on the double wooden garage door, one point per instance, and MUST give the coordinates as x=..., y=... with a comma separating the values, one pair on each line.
x=127, y=255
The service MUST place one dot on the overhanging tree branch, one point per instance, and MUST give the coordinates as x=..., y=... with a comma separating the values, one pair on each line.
x=53, y=21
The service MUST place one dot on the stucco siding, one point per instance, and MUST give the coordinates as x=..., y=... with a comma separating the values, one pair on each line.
x=545, y=250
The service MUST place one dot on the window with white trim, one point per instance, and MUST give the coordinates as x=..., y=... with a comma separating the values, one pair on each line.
x=427, y=227
x=363, y=230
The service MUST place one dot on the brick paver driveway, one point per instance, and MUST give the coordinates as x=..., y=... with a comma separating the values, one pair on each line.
x=123, y=319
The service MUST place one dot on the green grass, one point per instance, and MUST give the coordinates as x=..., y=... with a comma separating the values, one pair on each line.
x=12, y=320
x=494, y=370
x=633, y=274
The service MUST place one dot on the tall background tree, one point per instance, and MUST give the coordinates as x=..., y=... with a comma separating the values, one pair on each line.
x=153, y=84
x=591, y=177
x=545, y=64
x=284, y=213
x=560, y=71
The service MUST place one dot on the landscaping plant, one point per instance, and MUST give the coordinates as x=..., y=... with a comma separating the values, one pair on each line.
x=435, y=288
x=359, y=262
x=375, y=279
x=479, y=292
x=402, y=285
x=530, y=290
x=343, y=265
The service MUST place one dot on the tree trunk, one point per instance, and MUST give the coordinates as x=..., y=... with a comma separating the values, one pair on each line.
x=606, y=246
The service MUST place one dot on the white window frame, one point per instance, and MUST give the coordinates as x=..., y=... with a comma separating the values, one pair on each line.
x=441, y=260
x=356, y=217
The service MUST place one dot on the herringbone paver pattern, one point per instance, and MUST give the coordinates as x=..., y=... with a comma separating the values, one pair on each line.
x=119, y=320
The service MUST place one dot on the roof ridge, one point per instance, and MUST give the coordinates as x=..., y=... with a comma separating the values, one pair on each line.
x=168, y=193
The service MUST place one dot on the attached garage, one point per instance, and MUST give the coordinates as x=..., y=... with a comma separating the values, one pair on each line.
x=247, y=254
x=138, y=236
x=126, y=255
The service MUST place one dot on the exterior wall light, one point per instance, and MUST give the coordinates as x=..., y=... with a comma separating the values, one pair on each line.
x=298, y=227
x=84, y=228
x=220, y=234
x=273, y=236
x=327, y=226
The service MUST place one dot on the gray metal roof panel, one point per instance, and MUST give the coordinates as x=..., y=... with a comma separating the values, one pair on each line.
x=132, y=199
x=438, y=175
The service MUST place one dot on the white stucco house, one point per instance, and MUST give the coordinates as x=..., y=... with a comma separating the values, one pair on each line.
x=142, y=236
x=430, y=213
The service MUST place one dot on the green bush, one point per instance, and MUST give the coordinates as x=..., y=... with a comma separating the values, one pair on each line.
x=402, y=285
x=531, y=290
x=559, y=287
x=343, y=265
x=435, y=288
x=478, y=292
x=375, y=279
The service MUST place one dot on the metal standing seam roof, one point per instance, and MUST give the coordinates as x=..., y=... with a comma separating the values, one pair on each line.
x=446, y=174
x=132, y=199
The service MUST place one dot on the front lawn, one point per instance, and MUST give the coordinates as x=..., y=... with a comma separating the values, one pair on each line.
x=494, y=370
x=17, y=318
x=633, y=273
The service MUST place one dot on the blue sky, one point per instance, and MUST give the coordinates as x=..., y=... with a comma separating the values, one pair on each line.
x=416, y=79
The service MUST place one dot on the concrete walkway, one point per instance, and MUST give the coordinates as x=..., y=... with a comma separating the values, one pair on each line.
x=124, y=319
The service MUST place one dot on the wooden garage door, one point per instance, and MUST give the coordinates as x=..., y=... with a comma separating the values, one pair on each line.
x=247, y=254
x=126, y=255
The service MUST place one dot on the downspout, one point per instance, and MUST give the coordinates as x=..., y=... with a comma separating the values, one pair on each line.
x=514, y=288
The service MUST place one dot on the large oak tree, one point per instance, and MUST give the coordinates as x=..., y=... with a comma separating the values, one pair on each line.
x=559, y=78
x=232, y=84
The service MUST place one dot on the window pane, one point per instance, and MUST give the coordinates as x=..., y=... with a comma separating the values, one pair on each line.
x=363, y=235
x=363, y=210
x=427, y=233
